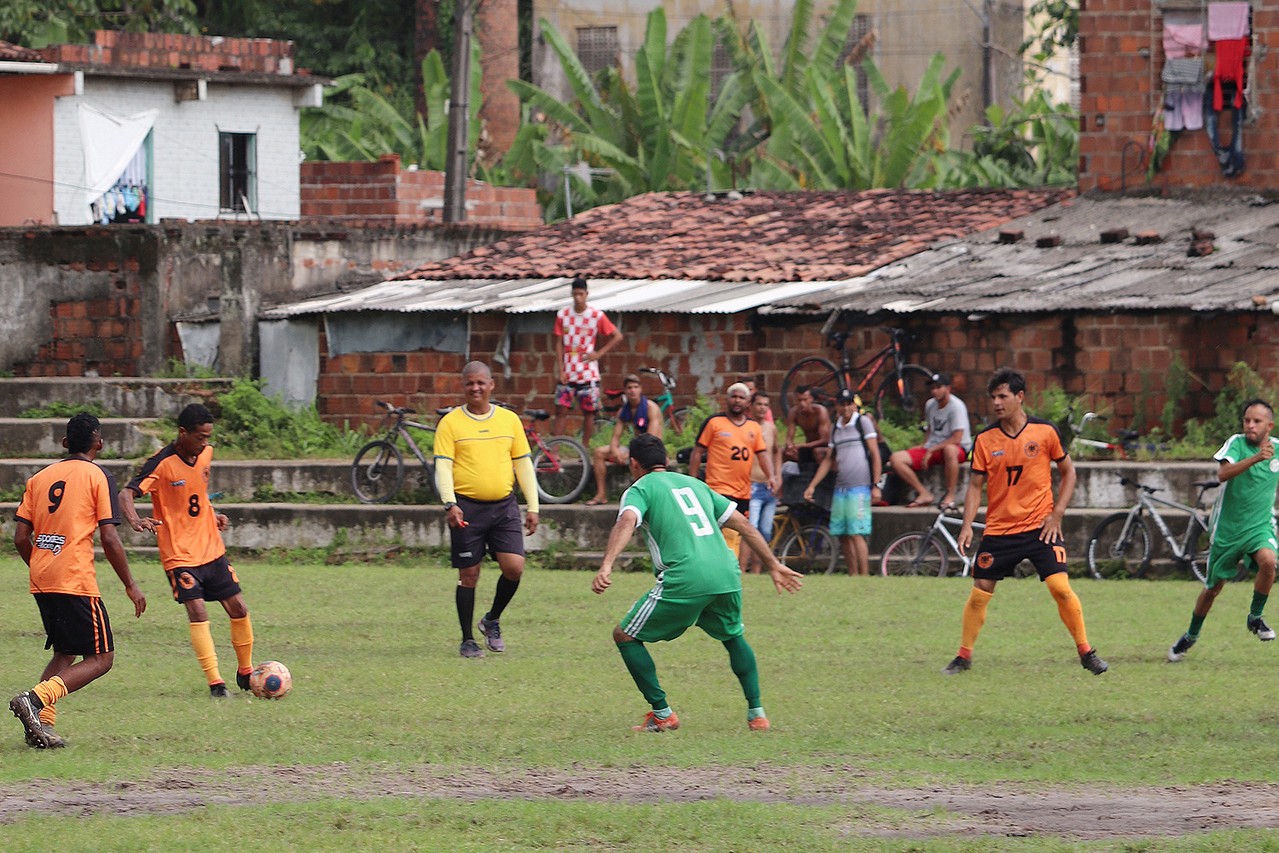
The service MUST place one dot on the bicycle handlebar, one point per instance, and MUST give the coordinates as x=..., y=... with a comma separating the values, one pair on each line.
x=667, y=379
x=395, y=410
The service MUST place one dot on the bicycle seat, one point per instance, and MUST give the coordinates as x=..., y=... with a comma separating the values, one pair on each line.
x=837, y=339
x=1128, y=435
x=444, y=411
x=1207, y=484
x=537, y=414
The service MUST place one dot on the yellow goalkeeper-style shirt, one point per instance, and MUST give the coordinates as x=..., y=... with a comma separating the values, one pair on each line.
x=482, y=448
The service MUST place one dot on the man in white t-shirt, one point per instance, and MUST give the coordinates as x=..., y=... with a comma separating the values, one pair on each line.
x=947, y=441
x=577, y=330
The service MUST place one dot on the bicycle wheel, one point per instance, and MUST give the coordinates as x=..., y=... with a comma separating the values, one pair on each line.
x=562, y=466
x=679, y=417
x=914, y=554
x=377, y=472
x=1116, y=551
x=902, y=402
x=1195, y=547
x=818, y=374
x=810, y=551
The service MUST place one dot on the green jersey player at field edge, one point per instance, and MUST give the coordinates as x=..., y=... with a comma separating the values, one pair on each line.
x=1243, y=524
x=698, y=582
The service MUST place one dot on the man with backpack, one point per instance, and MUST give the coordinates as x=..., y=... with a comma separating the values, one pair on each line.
x=855, y=456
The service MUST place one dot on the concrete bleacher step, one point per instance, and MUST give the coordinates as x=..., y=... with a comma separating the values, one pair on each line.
x=123, y=397
x=42, y=437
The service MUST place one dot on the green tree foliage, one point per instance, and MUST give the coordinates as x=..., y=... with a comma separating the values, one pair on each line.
x=358, y=122
x=1036, y=143
x=38, y=23
x=659, y=134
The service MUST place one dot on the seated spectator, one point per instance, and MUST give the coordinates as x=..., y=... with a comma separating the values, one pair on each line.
x=643, y=415
x=814, y=420
x=946, y=442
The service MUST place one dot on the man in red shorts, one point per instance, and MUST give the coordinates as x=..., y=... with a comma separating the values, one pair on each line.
x=946, y=442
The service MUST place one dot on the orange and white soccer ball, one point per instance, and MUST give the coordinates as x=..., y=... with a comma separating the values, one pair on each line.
x=270, y=680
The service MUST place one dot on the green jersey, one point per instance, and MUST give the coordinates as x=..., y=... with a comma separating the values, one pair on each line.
x=680, y=516
x=1246, y=505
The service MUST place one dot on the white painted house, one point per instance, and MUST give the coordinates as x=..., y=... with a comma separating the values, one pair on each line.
x=139, y=127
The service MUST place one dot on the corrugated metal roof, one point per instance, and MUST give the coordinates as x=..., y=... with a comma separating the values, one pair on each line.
x=978, y=274
x=971, y=274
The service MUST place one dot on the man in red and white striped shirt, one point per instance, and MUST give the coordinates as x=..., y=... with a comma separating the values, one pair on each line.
x=577, y=330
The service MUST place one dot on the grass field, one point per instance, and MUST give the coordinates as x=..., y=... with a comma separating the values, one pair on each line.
x=391, y=741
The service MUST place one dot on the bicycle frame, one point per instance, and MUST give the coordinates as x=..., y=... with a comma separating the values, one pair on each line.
x=1146, y=506
x=400, y=429
x=941, y=526
x=872, y=365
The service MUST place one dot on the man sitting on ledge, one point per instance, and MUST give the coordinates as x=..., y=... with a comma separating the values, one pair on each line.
x=643, y=415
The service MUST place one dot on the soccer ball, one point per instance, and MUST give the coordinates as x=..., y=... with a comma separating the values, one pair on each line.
x=270, y=680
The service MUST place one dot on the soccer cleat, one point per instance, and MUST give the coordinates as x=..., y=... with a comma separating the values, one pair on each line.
x=759, y=724
x=1089, y=661
x=52, y=740
x=1179, y=648
x=218, y=691
x=492, y=635
x=958, y=665
x=26, y=707
x=652, y=723
x=1259, y=627
x=242, y=680
x=470, y=649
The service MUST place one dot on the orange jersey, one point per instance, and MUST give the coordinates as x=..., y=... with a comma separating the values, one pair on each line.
x=729, y=451
x=64, y=504
x=180, y=498
x=1019, y=474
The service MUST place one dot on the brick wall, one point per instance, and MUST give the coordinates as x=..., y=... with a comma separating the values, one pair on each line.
x=1121, y=57
x=1117, y=362
x=381, y=194
x=171, y=50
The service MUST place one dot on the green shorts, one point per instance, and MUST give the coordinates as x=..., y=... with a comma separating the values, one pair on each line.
x=654, y=618
x=1224, y=557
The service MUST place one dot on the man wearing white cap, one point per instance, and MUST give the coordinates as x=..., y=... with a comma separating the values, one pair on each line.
x=946, y=442
x=729, y=441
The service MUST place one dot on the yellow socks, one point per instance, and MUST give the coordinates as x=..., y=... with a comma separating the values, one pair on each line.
x=974, y=618
x=242, y=640
x=205, y=653
x=1069, y=609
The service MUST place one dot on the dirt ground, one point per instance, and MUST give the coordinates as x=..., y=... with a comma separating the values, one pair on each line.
x=998, y=810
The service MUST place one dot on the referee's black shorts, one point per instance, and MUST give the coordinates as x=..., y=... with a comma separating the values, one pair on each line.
x=491, y=526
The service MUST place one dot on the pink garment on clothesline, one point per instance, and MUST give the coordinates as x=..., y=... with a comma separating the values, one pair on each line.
x=1182, y=40
x=1227, y=21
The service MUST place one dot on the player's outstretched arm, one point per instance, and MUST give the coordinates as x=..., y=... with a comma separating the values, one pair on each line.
x=114, y=552
x=131, y=516
x=972, y=503
x=618, y=539
x=784, y=578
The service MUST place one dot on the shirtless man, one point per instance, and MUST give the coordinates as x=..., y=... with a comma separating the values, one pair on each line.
x=814, y=420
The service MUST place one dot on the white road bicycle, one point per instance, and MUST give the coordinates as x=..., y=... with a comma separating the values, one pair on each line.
x=1122, y=544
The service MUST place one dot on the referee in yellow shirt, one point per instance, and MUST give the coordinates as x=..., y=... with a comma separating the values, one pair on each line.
x=480, y=451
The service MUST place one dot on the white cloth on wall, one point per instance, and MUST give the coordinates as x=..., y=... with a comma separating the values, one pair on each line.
x=110, y=144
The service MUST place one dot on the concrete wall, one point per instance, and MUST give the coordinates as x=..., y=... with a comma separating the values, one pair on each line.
x=26, y=157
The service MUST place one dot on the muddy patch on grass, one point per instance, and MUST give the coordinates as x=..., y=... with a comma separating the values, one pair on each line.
x=994, y=810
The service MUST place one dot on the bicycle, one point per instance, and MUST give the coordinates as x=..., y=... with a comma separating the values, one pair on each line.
x=802, y=539
x=920, y=552
x=1081, y=446
x=1122, y=542
x=561, y=464
x=377, y=473
x=900, y=396
x=665, y=401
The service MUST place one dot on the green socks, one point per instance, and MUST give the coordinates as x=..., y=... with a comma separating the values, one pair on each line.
x=1258, y=604
x=640, y=665
x=1196, y=622
x=742, y=659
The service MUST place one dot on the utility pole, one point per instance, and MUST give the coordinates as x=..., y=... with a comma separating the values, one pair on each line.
x=459, y=115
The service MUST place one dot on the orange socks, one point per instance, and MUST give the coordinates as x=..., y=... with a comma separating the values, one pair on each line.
x=1069, y=609
x=242, y=640
x=205, y=653
x=50, y=691
x=974, y=618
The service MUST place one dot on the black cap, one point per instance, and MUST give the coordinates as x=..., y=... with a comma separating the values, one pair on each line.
x=939, y=379
x=846, y=395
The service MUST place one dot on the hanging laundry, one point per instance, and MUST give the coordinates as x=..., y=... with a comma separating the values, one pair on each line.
x=1230, y=157
x=1230, y=55
x=1181, y=40
x=1228, y=21
x=1184, y=111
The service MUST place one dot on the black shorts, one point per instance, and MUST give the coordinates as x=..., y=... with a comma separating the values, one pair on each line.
x=215, y=581
x=997, y=556
x=491, y=526
x=743, y=504
x=75, y=624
